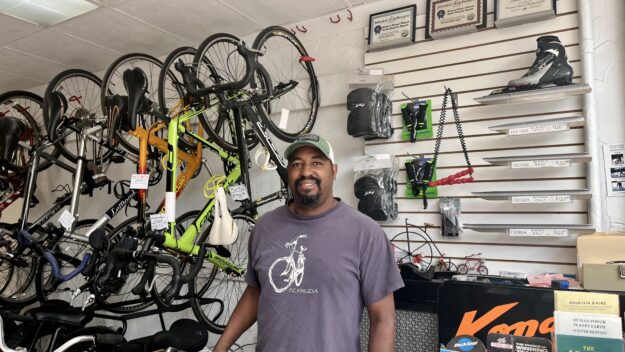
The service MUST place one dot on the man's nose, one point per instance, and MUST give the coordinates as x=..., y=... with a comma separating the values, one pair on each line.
x=307, y=169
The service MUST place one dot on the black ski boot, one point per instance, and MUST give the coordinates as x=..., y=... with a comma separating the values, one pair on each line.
x=550, y=67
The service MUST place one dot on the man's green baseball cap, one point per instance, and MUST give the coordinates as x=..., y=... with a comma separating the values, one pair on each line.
x=312, y=140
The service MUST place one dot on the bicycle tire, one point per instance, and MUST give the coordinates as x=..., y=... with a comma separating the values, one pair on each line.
x=403, y=241
x=65, y=249
x=482, y=270
x=67, y=83
x=463, y=269
x=182, y=223
x=112, y=83
x=111, y=303
x=20, y=289
x=27, y=106
x=218, y=285
x=295, y=87
x=6, y=266
x=218, y=61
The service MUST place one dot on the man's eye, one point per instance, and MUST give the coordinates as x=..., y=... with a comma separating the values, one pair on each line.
x=296, y=165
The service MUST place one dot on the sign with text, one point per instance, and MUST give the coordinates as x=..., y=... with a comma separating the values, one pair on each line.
x=514, y=12
x=392, y=28
x=446, y=18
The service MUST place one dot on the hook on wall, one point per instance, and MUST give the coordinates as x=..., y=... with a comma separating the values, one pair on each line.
x=350, y=16
x=338, y=19
x=303, y=29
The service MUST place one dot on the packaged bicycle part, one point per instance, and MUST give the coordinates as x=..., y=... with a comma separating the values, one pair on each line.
x=420, y=171
x=417, y=120
x=375, y=186
x=370, y=106
x=450, y=217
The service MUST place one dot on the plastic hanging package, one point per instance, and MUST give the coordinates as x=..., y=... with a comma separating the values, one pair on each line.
x=451, y=224
x=375, y=186
x=369, y=104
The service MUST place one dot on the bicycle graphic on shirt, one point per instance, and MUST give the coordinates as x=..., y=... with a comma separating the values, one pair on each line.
x=293, y=271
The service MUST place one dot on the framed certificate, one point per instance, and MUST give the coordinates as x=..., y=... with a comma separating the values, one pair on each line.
x=514, y=12
x=392, y=28
x=446, y=18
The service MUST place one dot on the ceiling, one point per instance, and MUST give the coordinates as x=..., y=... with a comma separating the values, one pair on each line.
x=32, y=55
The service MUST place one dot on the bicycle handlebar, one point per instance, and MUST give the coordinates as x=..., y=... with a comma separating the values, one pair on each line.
x=194, y=85
x=24, y=239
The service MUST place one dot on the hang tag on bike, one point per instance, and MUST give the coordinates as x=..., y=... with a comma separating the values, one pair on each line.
x=158, y=221
x=238, y=192
x=538, y=232
x=66, y=219
x=139, y=181
x=284, y=119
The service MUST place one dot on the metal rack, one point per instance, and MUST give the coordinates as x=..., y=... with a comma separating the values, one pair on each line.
x=540, y=126
x=537, y=196
x=533, y=230
x=539, y=161
x=542, y=94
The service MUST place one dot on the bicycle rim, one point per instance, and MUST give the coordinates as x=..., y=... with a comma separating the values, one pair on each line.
x=19, y=288
x=408, y=244
x=82, y=92
x=293, y=109
x=218, y=61
x=215, y=293
x=27, y=107
x=113, y=83
x=113, y=302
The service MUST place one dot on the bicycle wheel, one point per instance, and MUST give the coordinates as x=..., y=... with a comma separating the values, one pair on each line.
x=293, y=109
x=163, y=277
x=113, y=83
x=217, y=292
x=409, y=245
x=463, y=269
x=69, y=253
x=27, y=107
x=19, y=271
x=117, y=296
x=482, y=270
x=218, y=61
x=82, y=92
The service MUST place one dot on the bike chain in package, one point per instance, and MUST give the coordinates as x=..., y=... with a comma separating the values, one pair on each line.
x=450, y=217
x=375, y=186
x=369, y=105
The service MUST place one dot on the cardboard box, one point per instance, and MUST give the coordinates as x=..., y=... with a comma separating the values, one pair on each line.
x=604, y=277
x=599, y=248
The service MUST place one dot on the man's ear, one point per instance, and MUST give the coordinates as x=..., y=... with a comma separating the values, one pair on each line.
x=335, y=168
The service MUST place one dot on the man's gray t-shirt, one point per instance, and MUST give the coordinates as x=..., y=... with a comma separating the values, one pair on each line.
x=315, y=275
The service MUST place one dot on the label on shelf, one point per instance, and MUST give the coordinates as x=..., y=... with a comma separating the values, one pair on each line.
x=158, y=221
x=538, y=232
x=535, y=164
x=139, y=181
x=66, y=219
x=541, y=199
x=556, y=127
x=238, y=192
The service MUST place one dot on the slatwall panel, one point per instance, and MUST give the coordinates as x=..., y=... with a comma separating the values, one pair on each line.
x=473, y=65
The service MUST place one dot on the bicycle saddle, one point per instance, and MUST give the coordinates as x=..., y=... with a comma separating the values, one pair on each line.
x=12, y=129
x=59, y=311
x=57, y=106
x=184, y=334
x=412, y=272
x=117, y=110
x=136, y=83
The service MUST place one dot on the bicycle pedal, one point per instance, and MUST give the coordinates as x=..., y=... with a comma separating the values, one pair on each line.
x=100, y=180
x=117, y=159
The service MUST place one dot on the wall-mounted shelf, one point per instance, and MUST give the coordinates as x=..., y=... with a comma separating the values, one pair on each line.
x=539, y=161
x=537, y=197
x=539, y=126
x=542, y=94
x=533, y=230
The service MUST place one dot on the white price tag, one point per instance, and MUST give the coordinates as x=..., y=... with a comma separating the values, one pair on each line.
x=139, y=181
x=556, y=127
x=66, y=219
x=541, y=199
x=238, y=192
x=376, y=72
x=537, y=164
x=284, y=119
x=170, y=206
x=538, y=232
x=158, y=221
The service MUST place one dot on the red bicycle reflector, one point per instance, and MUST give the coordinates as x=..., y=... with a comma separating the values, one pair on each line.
x=306, y=59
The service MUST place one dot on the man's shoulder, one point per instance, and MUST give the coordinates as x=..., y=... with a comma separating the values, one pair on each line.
x=272, y=215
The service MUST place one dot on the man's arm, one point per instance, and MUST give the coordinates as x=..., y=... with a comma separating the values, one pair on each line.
x=382, y=328
x=242, y=318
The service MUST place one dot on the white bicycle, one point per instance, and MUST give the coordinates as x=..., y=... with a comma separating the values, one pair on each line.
x=293, y=271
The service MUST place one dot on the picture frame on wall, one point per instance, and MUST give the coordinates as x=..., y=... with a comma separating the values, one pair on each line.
x=514, y=12
x=447, y=18
x=392, y=28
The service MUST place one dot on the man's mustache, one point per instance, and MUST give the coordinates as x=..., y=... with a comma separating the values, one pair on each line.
x=304, y=178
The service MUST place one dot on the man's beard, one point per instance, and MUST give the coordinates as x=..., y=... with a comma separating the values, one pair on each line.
x=307, y=200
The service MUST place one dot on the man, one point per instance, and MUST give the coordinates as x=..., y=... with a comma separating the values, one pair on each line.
x=313, y=265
